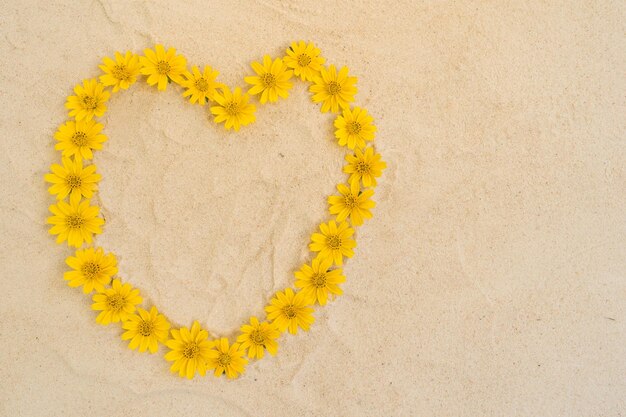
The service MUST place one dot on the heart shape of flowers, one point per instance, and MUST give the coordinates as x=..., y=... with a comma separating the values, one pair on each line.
x=75, y=221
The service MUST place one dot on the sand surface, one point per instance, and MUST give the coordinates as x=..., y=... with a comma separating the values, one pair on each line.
x=490, y=282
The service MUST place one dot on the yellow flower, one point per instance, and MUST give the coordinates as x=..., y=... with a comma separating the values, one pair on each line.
x=116, y=304
x=304, y=59
x=189, y=350
x=201, y=86
x=289, y=310
x=160, y=66
x=233, y=108
x=352, y=203
x=78, y=139
x=256, y=337
x=91, y=268
x=333, y=89
x=72, y=178
x=74, y=222
x=145, y=330
x=272, y=79
x=364, y=166
x=334, y=242
x=122, y=72
x=316, y=281
x=354, y=128
x=227, y=359
x=88, y=101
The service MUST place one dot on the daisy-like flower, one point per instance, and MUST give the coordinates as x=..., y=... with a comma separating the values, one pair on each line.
x=233, y=108
x=354, y=128
x=304, y=59
x=201, y=86
x=271, y=81
x=79, y=139
x=117, y=303
x=189, y=350
x=145, y=330
x=91, y=268
x=316, y=281
x=334, y=242
x=227, y=359
x=162, y=65
x=352, y=203
x=364, y=166
x=333, y=89
x=121, y=73
x=88, y=101
x=257, y=336
x=72, y=178
x=74, y=222
x=289, y=310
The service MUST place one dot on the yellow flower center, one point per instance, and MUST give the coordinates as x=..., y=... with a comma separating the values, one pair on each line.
x=334, y=88
x=202, y=85
x=268, y=80
x=74, y=221
x=115, y=302
x=79, y=139
x=257, y=337
x=90, y=269
x=191, y=350
x=232, y=108
x=89, y=102
x=121, y=72
x=319, y=280
x=145, y=328
x=290, y=312
x=224, y=359
x=333, y=242
x=353, y=128
x=163, y=67
x=362, y=167
x=350, y=201
x=73, y=181
x=304, y=60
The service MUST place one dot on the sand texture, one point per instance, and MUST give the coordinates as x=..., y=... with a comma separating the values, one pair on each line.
x=490, y=282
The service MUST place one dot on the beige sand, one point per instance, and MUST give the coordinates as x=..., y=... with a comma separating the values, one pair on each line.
x=491, y=281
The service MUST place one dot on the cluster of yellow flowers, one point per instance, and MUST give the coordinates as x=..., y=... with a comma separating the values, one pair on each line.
x=76, y=220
